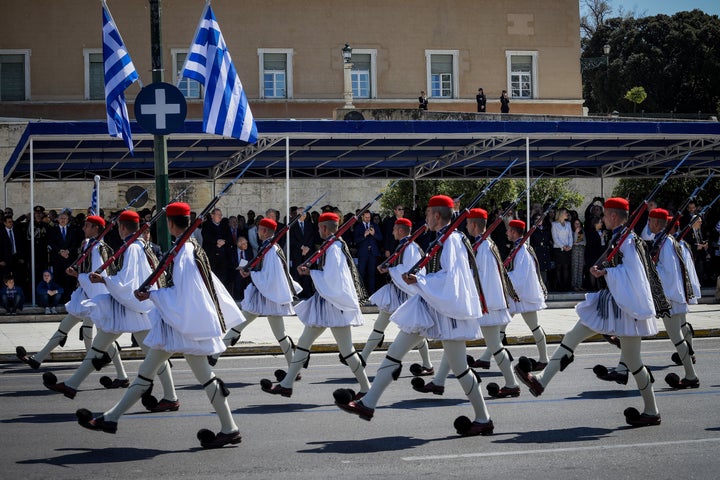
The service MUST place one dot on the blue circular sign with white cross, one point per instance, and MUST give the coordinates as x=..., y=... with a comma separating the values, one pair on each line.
x=160, y=108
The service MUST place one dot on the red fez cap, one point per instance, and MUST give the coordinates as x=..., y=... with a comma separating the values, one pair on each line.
x=328, y=217
x=660, y=213
x=477, y=213
x=517, y=224
x=617, y=203
x=268, y=223
x=441, y=201
x=96, y=220
x=403, y=221
x=129, y=216
x=178, y=209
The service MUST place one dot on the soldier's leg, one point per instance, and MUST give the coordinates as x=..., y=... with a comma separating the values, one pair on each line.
x=377, y=335
x=277, y=325
x=531, y=319
x=343, y=338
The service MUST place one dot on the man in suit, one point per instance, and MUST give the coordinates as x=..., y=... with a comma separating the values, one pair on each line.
x=389, y=242
x=368, y=239
x=63, y=243
x=240, y=255
x=12, y=253
x=216, y=243
x=303, y=237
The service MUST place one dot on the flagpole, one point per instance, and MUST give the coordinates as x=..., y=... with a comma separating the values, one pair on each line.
x=159, y=141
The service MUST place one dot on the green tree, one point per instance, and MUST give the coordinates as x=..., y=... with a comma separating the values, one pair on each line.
x=636, y=95
x=672, y=195
x=505, y=190
x=676, y=59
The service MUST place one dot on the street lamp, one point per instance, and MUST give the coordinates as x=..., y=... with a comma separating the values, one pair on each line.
x=347, y=83
x=589, y=63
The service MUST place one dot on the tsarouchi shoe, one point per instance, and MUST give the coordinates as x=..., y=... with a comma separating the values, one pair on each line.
x=419, y=385
x=636, y=419
x=165, y=406
x=267, y=386
x=533, y=384
x=357, y=408
x=421, y=371
x=210, y=440
x=675, y=357
x=495, y=391
x=678, y=383
x=23, y=356
x=87, y=419
x=50, y=382
x=466, y=428
x=111, y=384
x=610, y=374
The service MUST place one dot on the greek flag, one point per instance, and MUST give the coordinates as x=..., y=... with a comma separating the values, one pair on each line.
x=120, y=73
x=226, y=110
x=94, y=198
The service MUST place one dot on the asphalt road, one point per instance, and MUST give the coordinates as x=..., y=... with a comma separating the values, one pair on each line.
x=576, y=429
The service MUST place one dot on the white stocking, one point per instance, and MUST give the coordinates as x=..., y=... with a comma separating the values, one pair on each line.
x=164, y=373
x=204, y=374
x=456, y=354
x=442, y=371
x=673, y=329
x=493, y=340
x=531, y=319
x=100, y=346
x=488, y=352
x=567, y=347
x=631, y=349
x=424, y=351
x=277, y=325
x=302, y=352
x=402, y=344
x=87, y=333
x=376, y=336
x=146, y=372
x=343, y=338
x=65, y=325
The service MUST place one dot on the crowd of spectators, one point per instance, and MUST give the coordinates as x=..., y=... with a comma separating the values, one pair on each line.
x=566, y=245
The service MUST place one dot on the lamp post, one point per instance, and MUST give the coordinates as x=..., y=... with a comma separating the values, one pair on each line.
x=589, y=63
x=347, y=83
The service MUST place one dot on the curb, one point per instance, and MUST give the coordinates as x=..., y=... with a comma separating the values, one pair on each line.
x=135, y=353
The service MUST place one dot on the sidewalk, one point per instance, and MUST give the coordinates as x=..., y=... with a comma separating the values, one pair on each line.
x=257, y=339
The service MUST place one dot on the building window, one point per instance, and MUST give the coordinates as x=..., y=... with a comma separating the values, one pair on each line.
x=363, y=74
x=14, y=75
x=94, y=74
x=190, y=88
x=442, y=68
x=522, y=74
x=275, y=72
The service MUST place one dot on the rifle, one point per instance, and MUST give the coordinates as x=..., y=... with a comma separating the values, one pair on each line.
x=401, y=248
x=438, y=242
x=168, y=258
x=538, y=222
x=502, y=215
x=702, y=212
x=619, y=238
x=268, y=244
x=660, y=238
x=137, y=234
x=107, y=229
x=341, y=230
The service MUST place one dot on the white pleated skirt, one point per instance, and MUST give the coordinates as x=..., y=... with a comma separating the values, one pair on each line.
x=594, y=313
x=255, y=302
x=318, y=312
x=417, y=317
x=164, y=337
x=111, y=316
x=388, y=298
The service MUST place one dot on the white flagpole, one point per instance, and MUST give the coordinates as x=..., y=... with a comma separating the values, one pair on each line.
x=97, y=193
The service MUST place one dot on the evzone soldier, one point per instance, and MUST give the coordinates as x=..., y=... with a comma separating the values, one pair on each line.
x=393, y=294
x=75, y=311
x=626, y=308
x=189, y=317
x=334, y=305
x=118, y=312
x=270, y=294
x=686, y=327
x=447, y=307
x=530, y=289
x=498, y=292
x=678, y=290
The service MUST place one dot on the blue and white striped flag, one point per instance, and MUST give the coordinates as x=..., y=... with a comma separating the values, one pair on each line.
x=226, y=110
x=120, y=73
x=95, y=197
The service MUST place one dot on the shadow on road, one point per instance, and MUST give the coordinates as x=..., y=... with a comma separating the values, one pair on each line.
x=88, y=456
x=369, y=445
x=578, y=434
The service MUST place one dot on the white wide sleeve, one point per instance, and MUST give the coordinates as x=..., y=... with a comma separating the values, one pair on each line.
x=334, y=282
